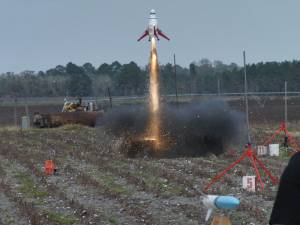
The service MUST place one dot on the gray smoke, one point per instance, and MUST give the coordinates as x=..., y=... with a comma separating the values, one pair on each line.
x=193, y=129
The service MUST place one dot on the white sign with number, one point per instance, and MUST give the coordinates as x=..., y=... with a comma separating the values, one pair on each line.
x=262, y=150
x=274, y=149
x=249, y=183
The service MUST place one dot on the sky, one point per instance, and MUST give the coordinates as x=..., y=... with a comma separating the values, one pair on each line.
x=40, y=34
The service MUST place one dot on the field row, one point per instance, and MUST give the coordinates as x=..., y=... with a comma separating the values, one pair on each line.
x=95, y=184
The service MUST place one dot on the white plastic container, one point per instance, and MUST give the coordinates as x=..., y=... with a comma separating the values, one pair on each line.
x=25, y=122
x=274, y=149
x=249, y=183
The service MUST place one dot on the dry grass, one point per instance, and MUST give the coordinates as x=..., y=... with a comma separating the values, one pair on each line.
x=116, y=189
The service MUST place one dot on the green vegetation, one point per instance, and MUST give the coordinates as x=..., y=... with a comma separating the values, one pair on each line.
x=109, y=181
x=60, y=218
x=27, y=186
x=153, y=182
x=285, y=153
x=129, y=79
x=113, y=220
x=8, y=220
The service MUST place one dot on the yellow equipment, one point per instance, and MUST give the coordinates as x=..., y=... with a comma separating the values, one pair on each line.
x=72, y=113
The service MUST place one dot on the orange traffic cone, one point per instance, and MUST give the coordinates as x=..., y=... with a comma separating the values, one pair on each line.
x=49, y=167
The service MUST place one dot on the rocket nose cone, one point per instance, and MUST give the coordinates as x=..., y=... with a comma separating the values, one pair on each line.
x=227, y=202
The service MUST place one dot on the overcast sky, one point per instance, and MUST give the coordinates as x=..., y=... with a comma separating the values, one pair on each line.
x=40, y=34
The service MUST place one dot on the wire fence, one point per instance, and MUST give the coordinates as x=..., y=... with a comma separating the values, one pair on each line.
x=10, y=101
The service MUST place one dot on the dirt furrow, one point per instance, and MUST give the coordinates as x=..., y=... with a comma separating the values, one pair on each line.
x=144, y=205
x=87, y=212
x=27, y=208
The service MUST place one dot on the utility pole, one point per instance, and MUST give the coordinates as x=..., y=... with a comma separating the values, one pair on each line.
x=110, y=99
x=246, y=97
x=285, y=103
x=26, y=107
x=26, y=100
x=15, y=111
x=219, y=87
x=175, y=75
x=286, y=138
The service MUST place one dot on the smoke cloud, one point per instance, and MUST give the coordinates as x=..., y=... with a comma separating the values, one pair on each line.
x=192, y=129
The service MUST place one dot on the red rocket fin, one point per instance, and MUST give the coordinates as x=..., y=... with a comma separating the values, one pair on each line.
x=156, y=33
x=162, y=34
x=144, y=35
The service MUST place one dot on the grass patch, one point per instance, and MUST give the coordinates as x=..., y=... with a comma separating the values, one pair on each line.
x=110, y=182
x=28, y=187
x=60, y=218
x=113, y=220
x=151, y=181
x=8, y=220
x=163, y=185
x=285, y=153
x=10, y=129
x=73, y=127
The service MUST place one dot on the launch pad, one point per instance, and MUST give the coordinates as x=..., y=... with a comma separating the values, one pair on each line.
x=248, y=153
x=143, y=147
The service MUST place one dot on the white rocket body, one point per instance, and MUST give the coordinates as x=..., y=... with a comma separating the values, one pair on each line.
x=152, y=30
x=152, y=24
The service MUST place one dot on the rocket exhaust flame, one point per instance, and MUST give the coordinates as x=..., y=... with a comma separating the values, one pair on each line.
x=154, y=82
x=154, y=121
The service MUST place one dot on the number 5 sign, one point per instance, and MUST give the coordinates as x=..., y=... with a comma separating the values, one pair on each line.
x=249, y=183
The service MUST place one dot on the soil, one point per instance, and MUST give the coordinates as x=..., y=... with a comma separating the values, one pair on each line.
x=96, y=184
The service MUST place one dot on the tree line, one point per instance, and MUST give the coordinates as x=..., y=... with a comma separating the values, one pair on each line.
x=200, y=77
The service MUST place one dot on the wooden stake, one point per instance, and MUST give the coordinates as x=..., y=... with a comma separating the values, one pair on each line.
x=220, y=220
x=285, y=103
